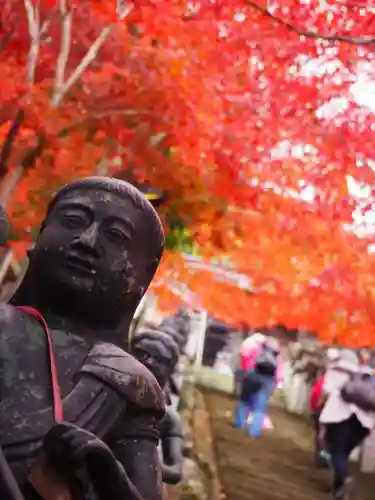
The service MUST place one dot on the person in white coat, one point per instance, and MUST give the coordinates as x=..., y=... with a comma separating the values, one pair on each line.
x=344, y=425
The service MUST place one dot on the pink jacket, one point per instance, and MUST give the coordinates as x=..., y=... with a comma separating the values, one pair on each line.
x=249, y=357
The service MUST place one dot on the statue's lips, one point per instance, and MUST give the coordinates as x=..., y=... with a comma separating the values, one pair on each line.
x=80, y=263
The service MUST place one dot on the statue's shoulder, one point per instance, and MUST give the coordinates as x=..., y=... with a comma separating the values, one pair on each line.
x=126, y=375
x=9, y=314
x=17, y=323
x=12, y=330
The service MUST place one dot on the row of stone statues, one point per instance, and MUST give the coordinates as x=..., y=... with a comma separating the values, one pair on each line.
x=81, y=410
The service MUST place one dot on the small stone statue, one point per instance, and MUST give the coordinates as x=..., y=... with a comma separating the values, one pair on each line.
x=172, y=387
x=97, y=251
x=169, y=327
x=159, y=353
x=178, y=326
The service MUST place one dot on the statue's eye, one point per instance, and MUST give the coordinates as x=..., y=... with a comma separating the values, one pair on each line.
x=116, y=235
x=73, y=220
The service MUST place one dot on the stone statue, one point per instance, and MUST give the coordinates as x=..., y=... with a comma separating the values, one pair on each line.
x=178, y=326
x=96, y=253
x=307, y=362
x=159, y=353
x=171, y=332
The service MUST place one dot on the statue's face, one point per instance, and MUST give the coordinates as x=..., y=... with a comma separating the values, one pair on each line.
x=94, y=242
x=155, y=356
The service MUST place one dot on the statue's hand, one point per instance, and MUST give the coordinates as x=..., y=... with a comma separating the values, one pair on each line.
x=69, y=445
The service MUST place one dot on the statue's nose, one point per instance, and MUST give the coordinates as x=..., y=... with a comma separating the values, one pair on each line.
x=89, y=237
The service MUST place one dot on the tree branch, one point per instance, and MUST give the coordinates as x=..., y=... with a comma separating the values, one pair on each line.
x=33, y=21
x=8, y=143
x=123, y=9
x=62, y=60
x=5, y=39
x=10, y=182
x=90, y=56
x=82, y=66
x=32, y=154
x=365, y=40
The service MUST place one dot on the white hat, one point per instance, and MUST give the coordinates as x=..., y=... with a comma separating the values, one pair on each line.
x=252, y=340
x=333, y=354
x=347, y=361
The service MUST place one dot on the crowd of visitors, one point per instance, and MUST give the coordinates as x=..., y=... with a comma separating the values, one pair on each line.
x=342, y=402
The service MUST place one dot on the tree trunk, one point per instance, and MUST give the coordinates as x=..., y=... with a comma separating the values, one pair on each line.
x=9, y=184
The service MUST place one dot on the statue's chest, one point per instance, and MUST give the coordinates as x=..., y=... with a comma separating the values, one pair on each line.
x=25, y=387
x=25, y=382
x=70, y=353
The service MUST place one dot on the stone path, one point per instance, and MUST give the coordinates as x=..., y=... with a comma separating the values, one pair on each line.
x=278, y=466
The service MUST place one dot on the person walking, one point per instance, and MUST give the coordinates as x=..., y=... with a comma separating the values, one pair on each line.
x=266, y=372
x=344, y=425
x=244, y=389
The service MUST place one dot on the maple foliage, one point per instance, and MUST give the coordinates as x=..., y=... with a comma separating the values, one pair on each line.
x=248, y=114
x=307, y=271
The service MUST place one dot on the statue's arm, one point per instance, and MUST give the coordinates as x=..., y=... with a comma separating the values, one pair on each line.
x=172, y=447
x=174, y=386
x=134, y=438
x=118, y=485
x=172, y=466
x=138, y=455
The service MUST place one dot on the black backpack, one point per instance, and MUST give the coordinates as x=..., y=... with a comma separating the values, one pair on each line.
x=251, y=384
x=266, y=363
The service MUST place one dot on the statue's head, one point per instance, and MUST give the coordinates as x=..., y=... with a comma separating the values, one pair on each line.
x=174, y=334
x=183, y=313
x=158, y=352
x=179, y=322
x=98, y=248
